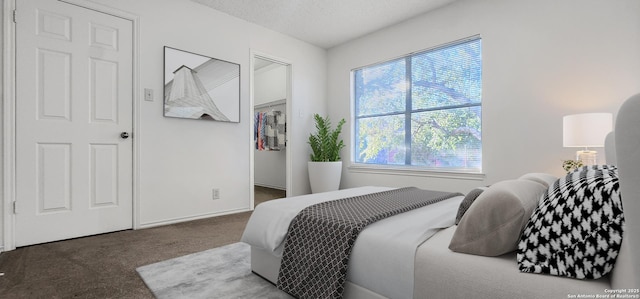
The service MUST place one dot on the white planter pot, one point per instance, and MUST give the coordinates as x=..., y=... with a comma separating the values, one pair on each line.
x=324, y=176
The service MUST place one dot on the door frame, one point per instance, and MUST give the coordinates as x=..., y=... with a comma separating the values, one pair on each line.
x=289, y=152
x=9, y=112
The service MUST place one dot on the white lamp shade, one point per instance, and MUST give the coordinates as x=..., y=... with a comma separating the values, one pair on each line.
x=586, y=130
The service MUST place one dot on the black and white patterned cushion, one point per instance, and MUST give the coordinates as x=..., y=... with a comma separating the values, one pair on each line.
x=592, y=168
x=576, y=230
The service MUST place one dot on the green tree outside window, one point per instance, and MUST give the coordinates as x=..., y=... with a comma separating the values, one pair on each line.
x=424, y=109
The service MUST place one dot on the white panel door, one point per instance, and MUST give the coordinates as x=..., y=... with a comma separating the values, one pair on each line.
x=74, y=99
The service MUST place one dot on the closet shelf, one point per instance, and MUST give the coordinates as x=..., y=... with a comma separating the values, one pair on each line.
x=270, y=104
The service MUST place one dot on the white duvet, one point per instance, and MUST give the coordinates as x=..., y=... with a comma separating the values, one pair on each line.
x=390, y=242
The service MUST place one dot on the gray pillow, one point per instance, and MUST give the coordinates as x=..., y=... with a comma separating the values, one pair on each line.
x=467, y=201
x=543, y=178
x=493, y=224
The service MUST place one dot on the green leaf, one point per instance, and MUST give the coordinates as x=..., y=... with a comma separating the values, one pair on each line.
x=326, y=143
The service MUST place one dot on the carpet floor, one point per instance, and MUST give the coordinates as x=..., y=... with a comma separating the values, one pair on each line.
x=103, y=266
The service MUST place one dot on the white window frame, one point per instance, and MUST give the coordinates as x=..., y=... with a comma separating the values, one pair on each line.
x=410, y=170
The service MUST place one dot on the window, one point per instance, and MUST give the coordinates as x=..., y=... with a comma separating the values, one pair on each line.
x=421, y=110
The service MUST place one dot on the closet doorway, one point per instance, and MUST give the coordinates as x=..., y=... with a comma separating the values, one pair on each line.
x=271, y=86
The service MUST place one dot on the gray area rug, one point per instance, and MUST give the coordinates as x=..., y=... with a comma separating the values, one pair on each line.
x=223, y=272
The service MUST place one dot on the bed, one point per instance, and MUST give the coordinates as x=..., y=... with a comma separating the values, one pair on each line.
x=411, y=250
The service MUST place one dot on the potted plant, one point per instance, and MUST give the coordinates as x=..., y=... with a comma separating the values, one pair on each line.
x=325, y=167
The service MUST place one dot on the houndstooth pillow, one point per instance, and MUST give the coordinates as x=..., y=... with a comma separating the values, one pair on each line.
x=592, y=168
x=576, y=230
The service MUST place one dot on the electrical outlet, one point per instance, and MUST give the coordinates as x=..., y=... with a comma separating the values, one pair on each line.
x=215, y=194
x=148, y=94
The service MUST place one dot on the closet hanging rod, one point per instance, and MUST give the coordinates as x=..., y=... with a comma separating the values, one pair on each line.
x=270, y=104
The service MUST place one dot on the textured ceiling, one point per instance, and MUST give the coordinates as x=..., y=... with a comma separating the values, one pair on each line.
x=325, y=23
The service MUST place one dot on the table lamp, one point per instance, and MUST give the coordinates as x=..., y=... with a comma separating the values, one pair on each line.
x=586, y=130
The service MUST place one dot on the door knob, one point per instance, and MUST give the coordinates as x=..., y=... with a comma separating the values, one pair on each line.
x=124, y=135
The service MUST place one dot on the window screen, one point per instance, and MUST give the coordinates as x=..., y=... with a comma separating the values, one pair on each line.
x=424, y=109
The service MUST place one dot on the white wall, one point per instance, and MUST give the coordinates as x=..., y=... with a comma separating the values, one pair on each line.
x=270, y=84
x=181, y=160
x=541, y=60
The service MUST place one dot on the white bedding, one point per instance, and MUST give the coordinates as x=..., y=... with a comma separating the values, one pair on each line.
x=462, y=275
x=391, y=242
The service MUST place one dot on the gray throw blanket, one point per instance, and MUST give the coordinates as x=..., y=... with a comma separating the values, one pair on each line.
x=321, y=237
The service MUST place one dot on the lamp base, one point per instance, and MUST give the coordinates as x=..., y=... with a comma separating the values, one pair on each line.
x=587, y=157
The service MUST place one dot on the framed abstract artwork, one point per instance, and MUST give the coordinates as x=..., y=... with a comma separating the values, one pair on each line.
x=200, y=87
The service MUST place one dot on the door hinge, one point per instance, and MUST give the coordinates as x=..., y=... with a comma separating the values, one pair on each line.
x=15, y=13
x=15, y=207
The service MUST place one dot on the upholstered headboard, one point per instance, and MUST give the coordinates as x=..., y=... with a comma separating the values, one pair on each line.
x=626, y=273
x=610, y=149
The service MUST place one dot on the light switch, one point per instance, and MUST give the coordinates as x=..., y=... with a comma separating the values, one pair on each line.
x=148, y=94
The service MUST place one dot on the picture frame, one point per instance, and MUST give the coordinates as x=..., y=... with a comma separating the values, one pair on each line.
x=200, y=87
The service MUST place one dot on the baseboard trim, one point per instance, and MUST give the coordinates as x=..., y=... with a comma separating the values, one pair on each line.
x=194, y=217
